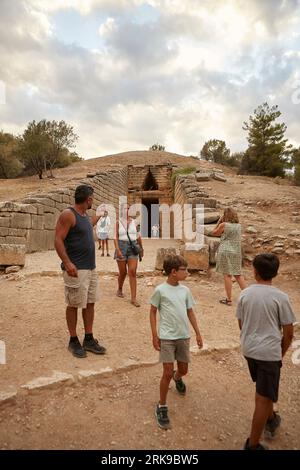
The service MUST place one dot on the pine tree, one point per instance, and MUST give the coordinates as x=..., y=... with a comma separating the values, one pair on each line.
x=268, y=151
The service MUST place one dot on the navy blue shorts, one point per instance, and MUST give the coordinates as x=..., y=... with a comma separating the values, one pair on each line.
x=266, y=375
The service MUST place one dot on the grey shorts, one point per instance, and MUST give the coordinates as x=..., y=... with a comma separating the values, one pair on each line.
x=174, y=350
x=81, y=290
x=126, y=251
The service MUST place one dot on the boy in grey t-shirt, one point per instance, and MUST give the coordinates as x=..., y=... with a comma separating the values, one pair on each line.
x=174, y=302
x=266, y=320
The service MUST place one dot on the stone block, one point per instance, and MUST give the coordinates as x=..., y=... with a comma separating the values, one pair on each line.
x=203, y=176
x=37, y=240
x=55, y=196
x=49, y=221
x=9, y=206
x=15, y=240
x=50, y=235
x=67, y=199
x=213, y=245
x=206, y=202
x=17, y=232
x=196, y=255
x=12, y=269
x=12, y=255
x=94, y=374
x=161, y=254
x=46, y=201
x=20, y=220
x=37, y=222
x=8, y=397
x=57, y=379
x=219, y=177
x=4, y=221
x=4, y=231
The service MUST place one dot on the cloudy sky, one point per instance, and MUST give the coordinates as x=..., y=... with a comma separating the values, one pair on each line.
x=129, y=73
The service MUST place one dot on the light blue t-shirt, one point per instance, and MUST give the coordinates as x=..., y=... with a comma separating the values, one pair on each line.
x=172, y=303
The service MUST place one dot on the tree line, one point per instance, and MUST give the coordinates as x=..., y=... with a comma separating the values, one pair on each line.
x=268, y=152
x=43, y=146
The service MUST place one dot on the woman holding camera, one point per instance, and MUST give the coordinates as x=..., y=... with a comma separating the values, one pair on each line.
x=129, y=249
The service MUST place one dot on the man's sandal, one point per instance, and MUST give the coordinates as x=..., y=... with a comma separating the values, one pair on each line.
x=120, y=294
x=226, y=302
x=135, y=303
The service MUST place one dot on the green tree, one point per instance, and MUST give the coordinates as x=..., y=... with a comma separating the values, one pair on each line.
x=295, y=160
x=10, y=166
x=157, y=148
x=45, y=145
x=66, y=158
x=34, y=148
x=62, y=138
x=268, y=153
x=235, y=159
x=215, y=150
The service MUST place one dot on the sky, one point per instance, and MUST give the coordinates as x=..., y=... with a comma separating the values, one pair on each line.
x=129, y=73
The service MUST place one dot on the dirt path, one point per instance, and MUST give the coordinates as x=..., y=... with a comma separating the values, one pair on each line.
x=118, y=412
x=32, y=320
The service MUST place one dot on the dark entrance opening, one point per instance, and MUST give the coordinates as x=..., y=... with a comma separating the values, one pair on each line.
x=150, y=218
x=150, y=183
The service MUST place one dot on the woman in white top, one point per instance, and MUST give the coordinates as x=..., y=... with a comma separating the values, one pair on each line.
x=102, y=231
x=129, y=249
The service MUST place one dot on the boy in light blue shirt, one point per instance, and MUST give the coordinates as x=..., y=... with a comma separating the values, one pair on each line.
x=174, y=303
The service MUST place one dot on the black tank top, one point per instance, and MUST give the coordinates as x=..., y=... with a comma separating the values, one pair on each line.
x=79, y=243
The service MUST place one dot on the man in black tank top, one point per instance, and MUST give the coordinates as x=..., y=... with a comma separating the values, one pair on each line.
x=74, y=243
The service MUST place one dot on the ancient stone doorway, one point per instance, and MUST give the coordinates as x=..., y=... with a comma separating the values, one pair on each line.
x=149, y=183
x=150, y=218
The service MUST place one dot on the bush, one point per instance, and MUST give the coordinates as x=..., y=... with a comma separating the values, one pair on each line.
x=181, y=171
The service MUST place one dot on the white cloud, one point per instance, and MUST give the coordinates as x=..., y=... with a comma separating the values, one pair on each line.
x=192, y=73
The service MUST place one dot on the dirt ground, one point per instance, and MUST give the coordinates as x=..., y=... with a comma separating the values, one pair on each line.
x=220, y=392
x=118, y=412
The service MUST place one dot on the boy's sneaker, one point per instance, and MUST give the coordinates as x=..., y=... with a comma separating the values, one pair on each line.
x=180, y=385
x=93, y=346
x=76, y=349
x=272, y=425
x=258, y=447
x=162, y=418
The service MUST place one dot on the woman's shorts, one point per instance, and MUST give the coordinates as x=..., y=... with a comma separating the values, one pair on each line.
x=126, y=251
x=103, y=236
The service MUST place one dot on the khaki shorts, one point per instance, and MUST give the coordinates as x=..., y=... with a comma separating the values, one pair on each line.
x=174, y=350
x=81, y=290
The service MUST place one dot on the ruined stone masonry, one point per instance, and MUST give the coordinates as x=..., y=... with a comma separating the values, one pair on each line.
x=30, y=222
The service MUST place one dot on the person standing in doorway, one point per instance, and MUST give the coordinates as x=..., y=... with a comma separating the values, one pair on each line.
x=102, y=231
x=74, y=243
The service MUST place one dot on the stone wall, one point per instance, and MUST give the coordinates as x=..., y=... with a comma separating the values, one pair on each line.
x=31, y=220
x=138, y=173
x=188, y=191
